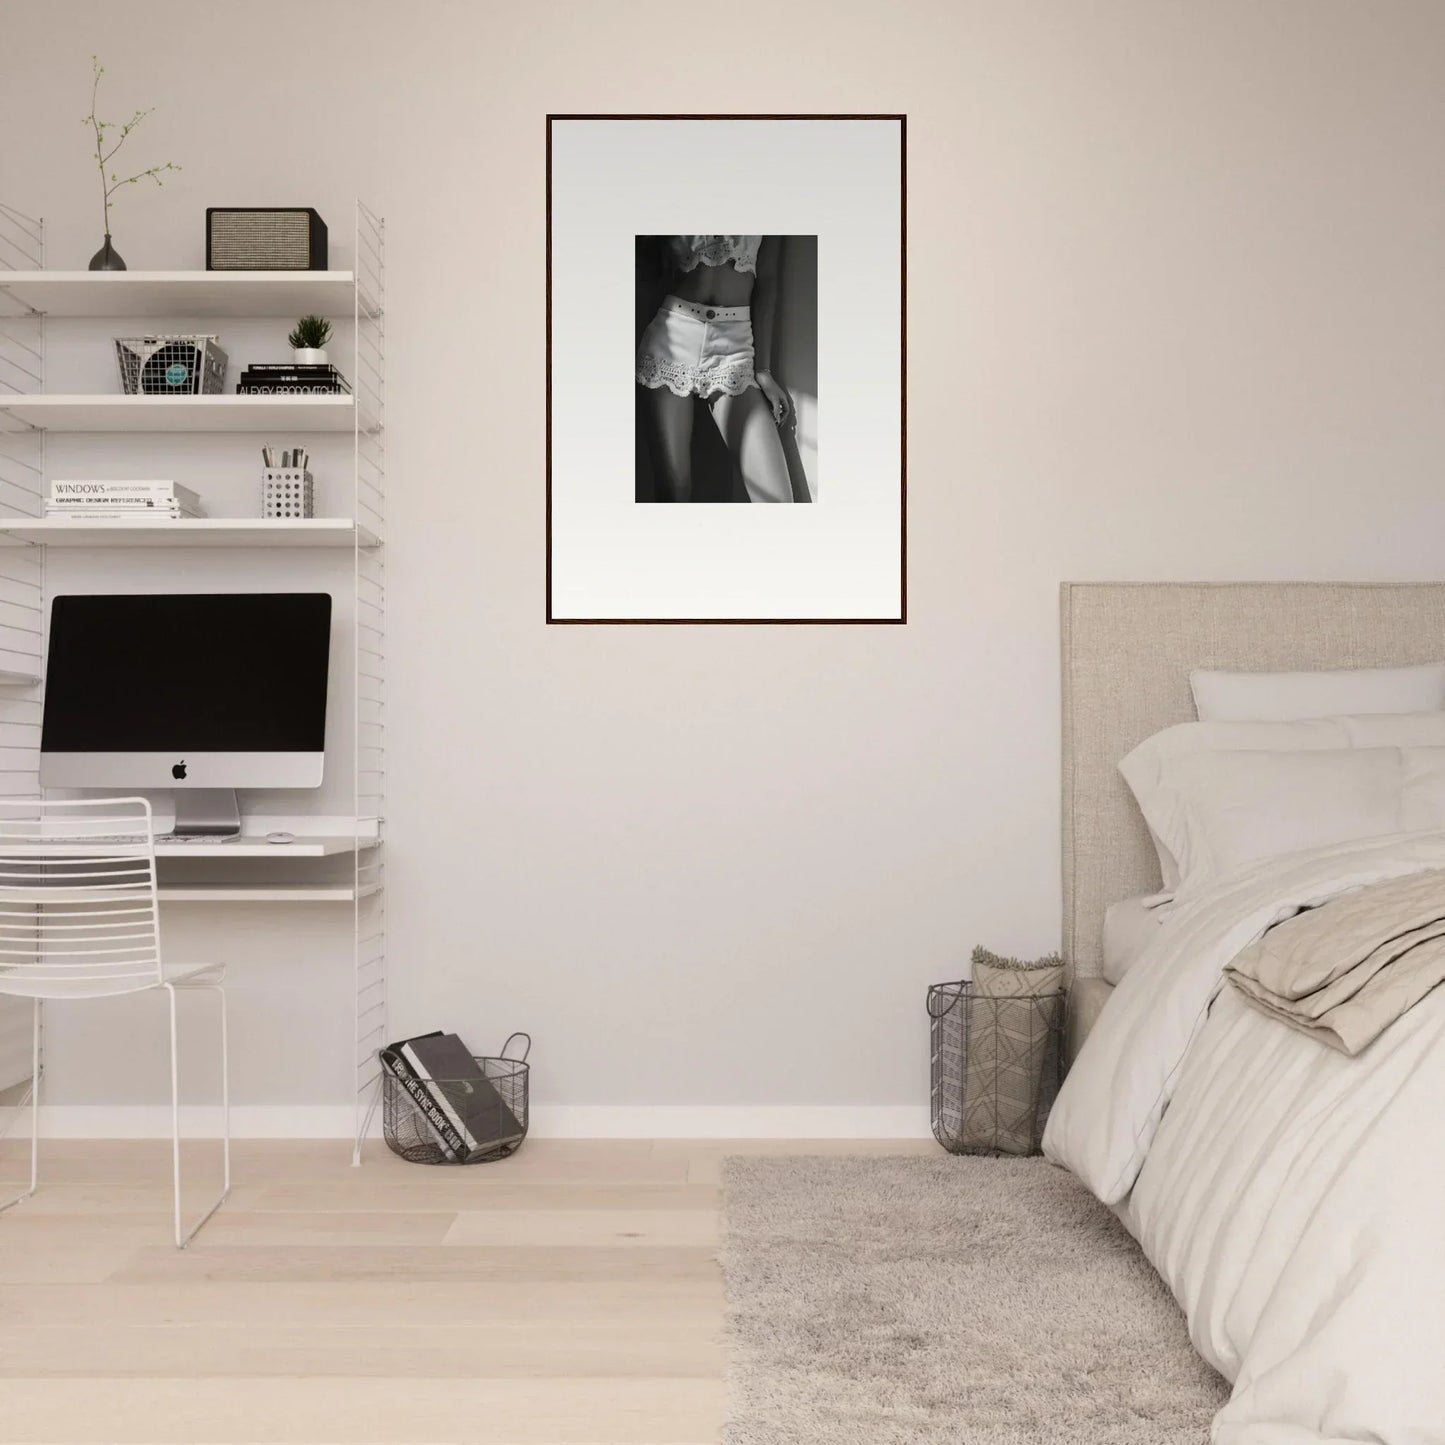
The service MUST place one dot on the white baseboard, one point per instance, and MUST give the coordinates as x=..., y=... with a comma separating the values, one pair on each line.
x=549, y=1121
x=145, y=1121
x=730, y=1121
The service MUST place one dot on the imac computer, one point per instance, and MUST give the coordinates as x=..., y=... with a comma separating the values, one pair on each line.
x=198, y=693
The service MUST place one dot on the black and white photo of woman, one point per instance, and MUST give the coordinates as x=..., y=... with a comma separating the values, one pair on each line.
x=712, y=341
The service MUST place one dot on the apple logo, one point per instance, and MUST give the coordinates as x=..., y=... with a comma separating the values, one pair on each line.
x=179, y=771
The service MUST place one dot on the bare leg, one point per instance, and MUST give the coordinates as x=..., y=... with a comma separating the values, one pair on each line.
x=671, y=444
x=747, y=426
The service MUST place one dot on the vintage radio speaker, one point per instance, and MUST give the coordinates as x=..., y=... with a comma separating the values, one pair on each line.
x=282, y=238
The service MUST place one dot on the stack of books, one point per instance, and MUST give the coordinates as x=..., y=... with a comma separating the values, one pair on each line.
x=461, y=1106
x=291, y=379
x=88, y=501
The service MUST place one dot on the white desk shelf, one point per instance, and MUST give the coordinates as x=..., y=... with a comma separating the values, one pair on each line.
x=263, y=892
x=317, y=847
x=103, y=412
x=343, y=865
x=190, y=532
x=185, y=293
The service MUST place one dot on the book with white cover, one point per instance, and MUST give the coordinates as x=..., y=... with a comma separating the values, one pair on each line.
x=128, y=509
x=112, y=484
x=65, y=492
x=105, y=504
x=113, y=514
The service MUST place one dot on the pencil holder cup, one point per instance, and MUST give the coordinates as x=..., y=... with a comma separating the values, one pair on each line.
x=287, y=492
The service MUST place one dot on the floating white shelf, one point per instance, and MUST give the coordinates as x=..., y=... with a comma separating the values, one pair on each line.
x=262, y=892
x=115, y=413
x=192, y=532
x=183, y=293
x=244, y=847
x=316, y=845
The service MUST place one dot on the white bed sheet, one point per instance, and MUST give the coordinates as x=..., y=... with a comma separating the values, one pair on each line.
x=1130, y=928
x=1306, y=1242
x=1290, y=1196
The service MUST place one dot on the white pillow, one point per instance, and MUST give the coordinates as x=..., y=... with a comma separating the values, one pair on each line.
x=1149, y=768
x=1288, y=696
x=1130, y=928
x=1230, y=809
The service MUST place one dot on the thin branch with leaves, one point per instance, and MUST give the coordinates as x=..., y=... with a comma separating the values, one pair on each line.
x=106, y=146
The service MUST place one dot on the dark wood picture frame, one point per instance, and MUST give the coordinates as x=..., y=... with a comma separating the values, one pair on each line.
x=902, y=617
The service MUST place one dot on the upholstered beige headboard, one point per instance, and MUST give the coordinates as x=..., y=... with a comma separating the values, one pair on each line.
x=1128, y=648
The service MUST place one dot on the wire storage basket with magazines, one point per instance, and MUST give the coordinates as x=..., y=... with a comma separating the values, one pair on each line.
x=190, y=365
x=997, y=1061
x=442, y=1104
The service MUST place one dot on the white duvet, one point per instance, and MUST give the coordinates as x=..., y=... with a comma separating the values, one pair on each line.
x=1292, y=1197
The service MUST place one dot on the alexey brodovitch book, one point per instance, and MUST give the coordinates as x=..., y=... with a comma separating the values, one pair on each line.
x=291, y=379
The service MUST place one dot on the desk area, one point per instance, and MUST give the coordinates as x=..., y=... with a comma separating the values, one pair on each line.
x=333, y=866
x=250, y=869
x=249, y=845
x=276, y=621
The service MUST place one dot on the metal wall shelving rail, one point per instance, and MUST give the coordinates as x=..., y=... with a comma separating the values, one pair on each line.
x=29, y=294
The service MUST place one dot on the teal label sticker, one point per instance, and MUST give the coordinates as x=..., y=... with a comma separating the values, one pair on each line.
x=176, y=374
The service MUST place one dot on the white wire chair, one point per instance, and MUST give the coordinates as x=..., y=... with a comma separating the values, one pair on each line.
x=79, y=920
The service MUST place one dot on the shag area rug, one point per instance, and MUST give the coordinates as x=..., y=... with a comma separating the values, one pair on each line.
x=947, y=1301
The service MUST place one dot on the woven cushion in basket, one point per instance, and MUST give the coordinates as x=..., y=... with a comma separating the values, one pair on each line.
x=1008, y=1039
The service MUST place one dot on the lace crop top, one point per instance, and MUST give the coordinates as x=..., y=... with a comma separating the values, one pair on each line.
x=688, y=252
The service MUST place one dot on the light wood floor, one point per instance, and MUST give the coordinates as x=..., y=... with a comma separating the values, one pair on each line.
x=569, y=1294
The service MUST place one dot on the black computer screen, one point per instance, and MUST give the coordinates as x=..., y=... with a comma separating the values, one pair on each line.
x=201, y=672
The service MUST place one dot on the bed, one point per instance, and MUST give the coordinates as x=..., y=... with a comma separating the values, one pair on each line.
x=1292, y=1198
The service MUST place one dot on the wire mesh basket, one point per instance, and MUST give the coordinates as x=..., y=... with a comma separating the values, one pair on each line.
x=170, y=365
x=997, y=1063
x=407, y=1117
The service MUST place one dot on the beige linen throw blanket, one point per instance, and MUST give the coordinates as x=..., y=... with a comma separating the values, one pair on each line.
x=1346, y=971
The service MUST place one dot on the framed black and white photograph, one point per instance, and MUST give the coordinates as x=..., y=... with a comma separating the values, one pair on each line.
x=699, y=382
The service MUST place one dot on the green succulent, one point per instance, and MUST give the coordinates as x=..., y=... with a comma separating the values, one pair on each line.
x=311, y=333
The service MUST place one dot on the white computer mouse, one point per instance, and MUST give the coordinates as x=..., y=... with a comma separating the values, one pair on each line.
x=280, y=837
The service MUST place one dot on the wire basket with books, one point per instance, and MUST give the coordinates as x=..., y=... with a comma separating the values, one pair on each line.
x=442, y=1104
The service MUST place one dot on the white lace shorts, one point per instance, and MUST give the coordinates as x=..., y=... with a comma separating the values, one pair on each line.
x=696, y=350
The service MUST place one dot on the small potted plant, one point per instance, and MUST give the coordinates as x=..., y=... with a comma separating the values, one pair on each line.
x=308, y=340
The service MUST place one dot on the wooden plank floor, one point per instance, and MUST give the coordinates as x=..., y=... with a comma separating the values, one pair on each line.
x=567, y=1296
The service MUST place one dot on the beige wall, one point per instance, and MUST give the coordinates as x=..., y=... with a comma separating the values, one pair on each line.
x=1177, y=311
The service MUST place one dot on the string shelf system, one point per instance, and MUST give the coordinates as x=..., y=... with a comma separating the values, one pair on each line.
x=339, y=859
